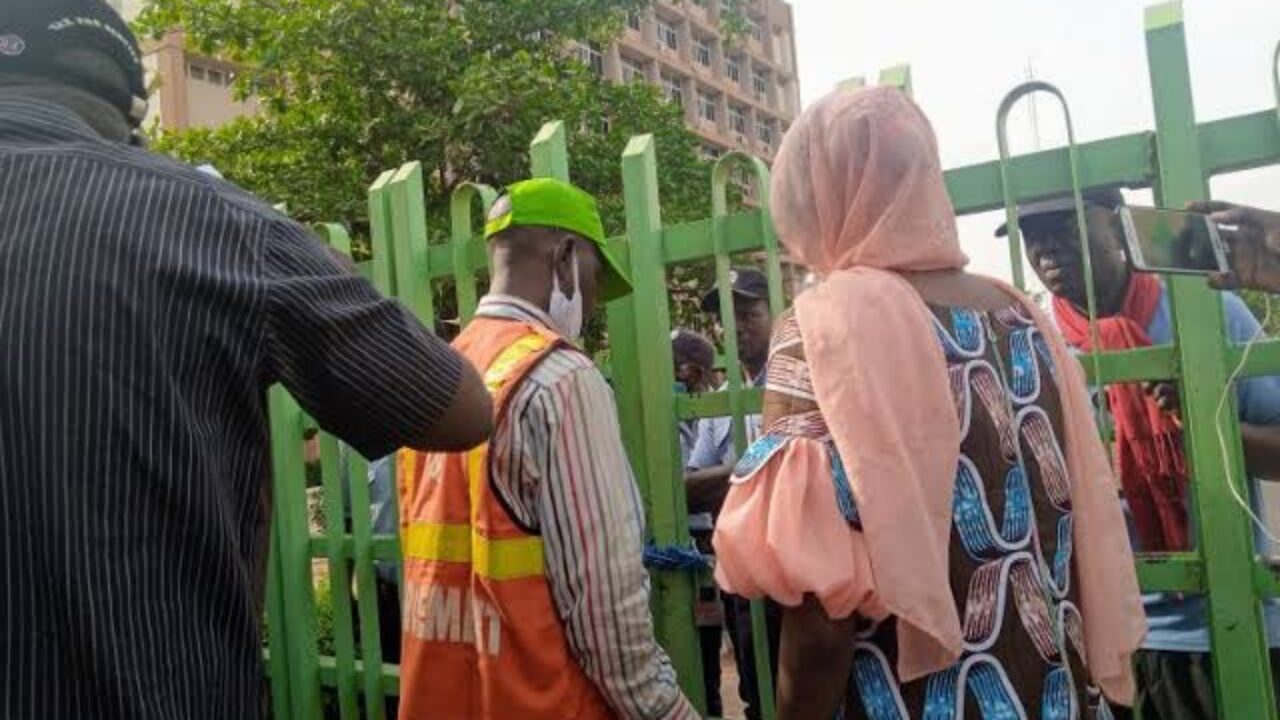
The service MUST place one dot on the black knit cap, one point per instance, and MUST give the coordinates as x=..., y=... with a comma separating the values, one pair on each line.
x=33, y=32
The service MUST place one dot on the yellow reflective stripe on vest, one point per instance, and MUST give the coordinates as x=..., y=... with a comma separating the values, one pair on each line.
x=497, y=374
x=509, y=559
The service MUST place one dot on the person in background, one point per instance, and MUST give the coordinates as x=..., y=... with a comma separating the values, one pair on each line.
x=147, y=308
x=711, y=462
x=1173, y=672
x=928, y=454
x=694, y=360
x=1253, y=242
x=754, y=321
x=525, y=594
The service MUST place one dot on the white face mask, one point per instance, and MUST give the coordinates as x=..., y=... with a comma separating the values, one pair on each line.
x=566, y=312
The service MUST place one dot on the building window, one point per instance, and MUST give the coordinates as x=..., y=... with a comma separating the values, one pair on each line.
x=712, y=152
x=702, y=52
x=589, y=54
x=633, y=21
x=632, y=71
x=673, y=87
x=213, y=76
x=706, y=107
x=737, y=120
x=733, y=70
x=667, y=35
x=764, y=131
x=759, y=84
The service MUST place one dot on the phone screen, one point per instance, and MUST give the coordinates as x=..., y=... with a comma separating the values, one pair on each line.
x=1172, y=241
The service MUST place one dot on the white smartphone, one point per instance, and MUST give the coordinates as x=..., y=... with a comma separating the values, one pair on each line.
x=1172, y=242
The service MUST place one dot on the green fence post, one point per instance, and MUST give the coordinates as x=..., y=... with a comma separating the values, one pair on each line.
x=733, y=370
x=335, y=236
x=898, y=76
x=1238, y=638
x=335, y=534
x=277, y=633
x=339, y=576
x=462, y=234
x=381, y=231
x=409, y=220
x=666, y=497
x=1275, y=78
x=549, y=152
x=857, y=82
x=366, y=585
x=294, y=548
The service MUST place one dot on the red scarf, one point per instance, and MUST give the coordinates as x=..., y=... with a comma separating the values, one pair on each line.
x=1149, y=458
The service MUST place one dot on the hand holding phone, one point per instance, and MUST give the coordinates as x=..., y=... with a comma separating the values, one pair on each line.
x=1252, y=239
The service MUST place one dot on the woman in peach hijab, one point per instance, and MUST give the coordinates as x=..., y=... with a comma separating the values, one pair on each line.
x=930, y=500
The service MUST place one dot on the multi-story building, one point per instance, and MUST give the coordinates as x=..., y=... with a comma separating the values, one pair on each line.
x=738, y=94
x=187, y=89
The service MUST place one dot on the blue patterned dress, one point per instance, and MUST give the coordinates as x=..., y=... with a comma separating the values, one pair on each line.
x=1011, y=568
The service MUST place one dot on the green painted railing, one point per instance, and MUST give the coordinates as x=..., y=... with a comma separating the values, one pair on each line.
x=1176, y=159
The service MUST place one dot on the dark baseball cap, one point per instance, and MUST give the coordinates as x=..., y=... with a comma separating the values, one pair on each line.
x=34, y=32
x=747, y=283
x=1106, y=198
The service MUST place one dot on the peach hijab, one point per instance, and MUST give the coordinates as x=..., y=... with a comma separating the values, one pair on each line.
x=858, y=196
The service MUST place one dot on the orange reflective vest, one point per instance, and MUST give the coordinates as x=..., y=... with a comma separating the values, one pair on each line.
x=482, y=637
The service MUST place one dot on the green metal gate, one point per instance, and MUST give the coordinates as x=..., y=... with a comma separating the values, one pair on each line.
x=1176, y=160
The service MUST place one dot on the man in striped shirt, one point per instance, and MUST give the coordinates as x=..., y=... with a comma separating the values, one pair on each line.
x=146, y=307
x=556, y=476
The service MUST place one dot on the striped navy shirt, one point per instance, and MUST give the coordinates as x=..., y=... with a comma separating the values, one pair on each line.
x=145, y=309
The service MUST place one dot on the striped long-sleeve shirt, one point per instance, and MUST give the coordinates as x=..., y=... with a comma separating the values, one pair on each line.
x=145, y=307
x=560, y=467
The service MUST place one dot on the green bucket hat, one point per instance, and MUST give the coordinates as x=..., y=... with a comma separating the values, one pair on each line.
x=546, y=202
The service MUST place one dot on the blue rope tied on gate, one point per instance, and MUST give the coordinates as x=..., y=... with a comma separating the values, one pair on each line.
x=675, y=557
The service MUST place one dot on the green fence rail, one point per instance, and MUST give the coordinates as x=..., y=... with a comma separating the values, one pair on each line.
x=1175, y=160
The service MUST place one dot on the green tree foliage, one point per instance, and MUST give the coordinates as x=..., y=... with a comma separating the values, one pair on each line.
x=352, y=87
x=349, y=88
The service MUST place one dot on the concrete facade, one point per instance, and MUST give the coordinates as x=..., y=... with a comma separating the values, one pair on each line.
x=736, y=95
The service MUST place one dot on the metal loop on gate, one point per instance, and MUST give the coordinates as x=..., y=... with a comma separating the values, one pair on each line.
x=1011, y=207
x=462, y=235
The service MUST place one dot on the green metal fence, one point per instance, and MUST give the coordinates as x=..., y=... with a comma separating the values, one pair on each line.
x=1175, y=160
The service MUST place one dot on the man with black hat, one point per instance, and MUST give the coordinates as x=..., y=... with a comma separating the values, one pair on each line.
x=754, y=321
x=146, y=309
x=1172, y=670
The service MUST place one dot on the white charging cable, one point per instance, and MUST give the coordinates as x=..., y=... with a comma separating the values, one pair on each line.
x=1222, y=436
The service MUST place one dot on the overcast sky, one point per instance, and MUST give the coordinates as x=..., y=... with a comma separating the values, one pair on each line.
x=966, y=55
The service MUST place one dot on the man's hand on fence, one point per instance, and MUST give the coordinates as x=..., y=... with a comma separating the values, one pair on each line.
x=1253, y=246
